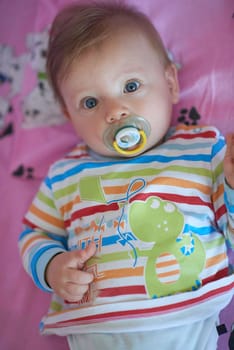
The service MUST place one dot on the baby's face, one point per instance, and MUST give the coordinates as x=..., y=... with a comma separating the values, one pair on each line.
x=112, y=83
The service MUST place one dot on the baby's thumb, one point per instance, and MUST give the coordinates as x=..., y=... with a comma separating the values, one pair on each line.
x=84, y=255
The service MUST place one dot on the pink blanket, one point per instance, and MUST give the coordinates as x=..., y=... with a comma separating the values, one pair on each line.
x=33, y=132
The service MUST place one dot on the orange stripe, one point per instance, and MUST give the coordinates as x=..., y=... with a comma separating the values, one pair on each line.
x=159, y=181
x=218, y=193
x=30, y=241
x=110, y=274
x=68, y=206
x=122, y=189
x=184, y=127
x=215, y=260
x=166, y=263
x=168, y=274
x=179, y=183
x=46, y=217
x=116, y=189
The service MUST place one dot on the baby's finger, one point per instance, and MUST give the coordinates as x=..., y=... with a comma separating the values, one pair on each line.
x=78, y=276
x=81, y=256
x=87, y=253
x=76, y=291
x=78, y=258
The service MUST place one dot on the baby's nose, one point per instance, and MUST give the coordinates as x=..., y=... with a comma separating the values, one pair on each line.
x=116, y=112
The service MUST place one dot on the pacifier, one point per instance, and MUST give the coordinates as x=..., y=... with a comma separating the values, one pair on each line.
x=128, y=137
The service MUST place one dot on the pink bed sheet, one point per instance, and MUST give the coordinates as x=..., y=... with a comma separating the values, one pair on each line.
x=199, y=36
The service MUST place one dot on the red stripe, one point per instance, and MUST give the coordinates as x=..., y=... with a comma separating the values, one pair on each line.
x=144, y=312
x=91, y=211
x=111, y=292
x=216, y=277
x=220, y=212
x=205, y=134
x=142, y=196
x=29, y=223
x=192, y=200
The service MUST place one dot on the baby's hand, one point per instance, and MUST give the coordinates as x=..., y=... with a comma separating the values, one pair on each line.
x=229, y=161
x=65, y=276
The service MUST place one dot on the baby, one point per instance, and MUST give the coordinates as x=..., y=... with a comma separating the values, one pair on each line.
x=129, y=230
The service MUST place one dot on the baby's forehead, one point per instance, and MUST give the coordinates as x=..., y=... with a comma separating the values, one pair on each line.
x=122, y=34
x=133, y=27
x=119, y=29
x=126, y=50
x=121, y=39
x=129, y=24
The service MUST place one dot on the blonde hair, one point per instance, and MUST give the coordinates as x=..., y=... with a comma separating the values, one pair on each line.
x=80, y=26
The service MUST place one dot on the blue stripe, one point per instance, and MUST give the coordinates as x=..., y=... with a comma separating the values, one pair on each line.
x=106, y=241
x=138, y=160
x=26, y=232
x=218, y=146
x=229, y=206
x=48, y=182
x=60, y=239
x=202, y=231
x=34, y=261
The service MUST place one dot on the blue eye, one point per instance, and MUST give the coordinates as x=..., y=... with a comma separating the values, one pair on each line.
x=132, y=86
x=90, y=102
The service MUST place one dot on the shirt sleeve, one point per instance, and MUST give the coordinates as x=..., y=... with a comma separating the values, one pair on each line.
x=44, y=235
x=229, y=202
x=222, y=194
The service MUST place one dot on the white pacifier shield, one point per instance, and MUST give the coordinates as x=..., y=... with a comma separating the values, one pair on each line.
x=127, y=137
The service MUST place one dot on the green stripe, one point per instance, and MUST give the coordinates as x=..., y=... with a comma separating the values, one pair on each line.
x=154, y=171
x=141, y=172
x=65, y=191
x=218, y=171
x=46, y=200
x=215, y=243
x=108, y=257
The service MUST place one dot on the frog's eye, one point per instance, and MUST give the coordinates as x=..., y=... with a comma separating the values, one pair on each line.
x=90, y=102
x=131, y=86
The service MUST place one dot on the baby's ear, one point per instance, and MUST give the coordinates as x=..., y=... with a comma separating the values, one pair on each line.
x=172, y=80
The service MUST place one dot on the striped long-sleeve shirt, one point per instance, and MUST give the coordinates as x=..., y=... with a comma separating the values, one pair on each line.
x=160, y=222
